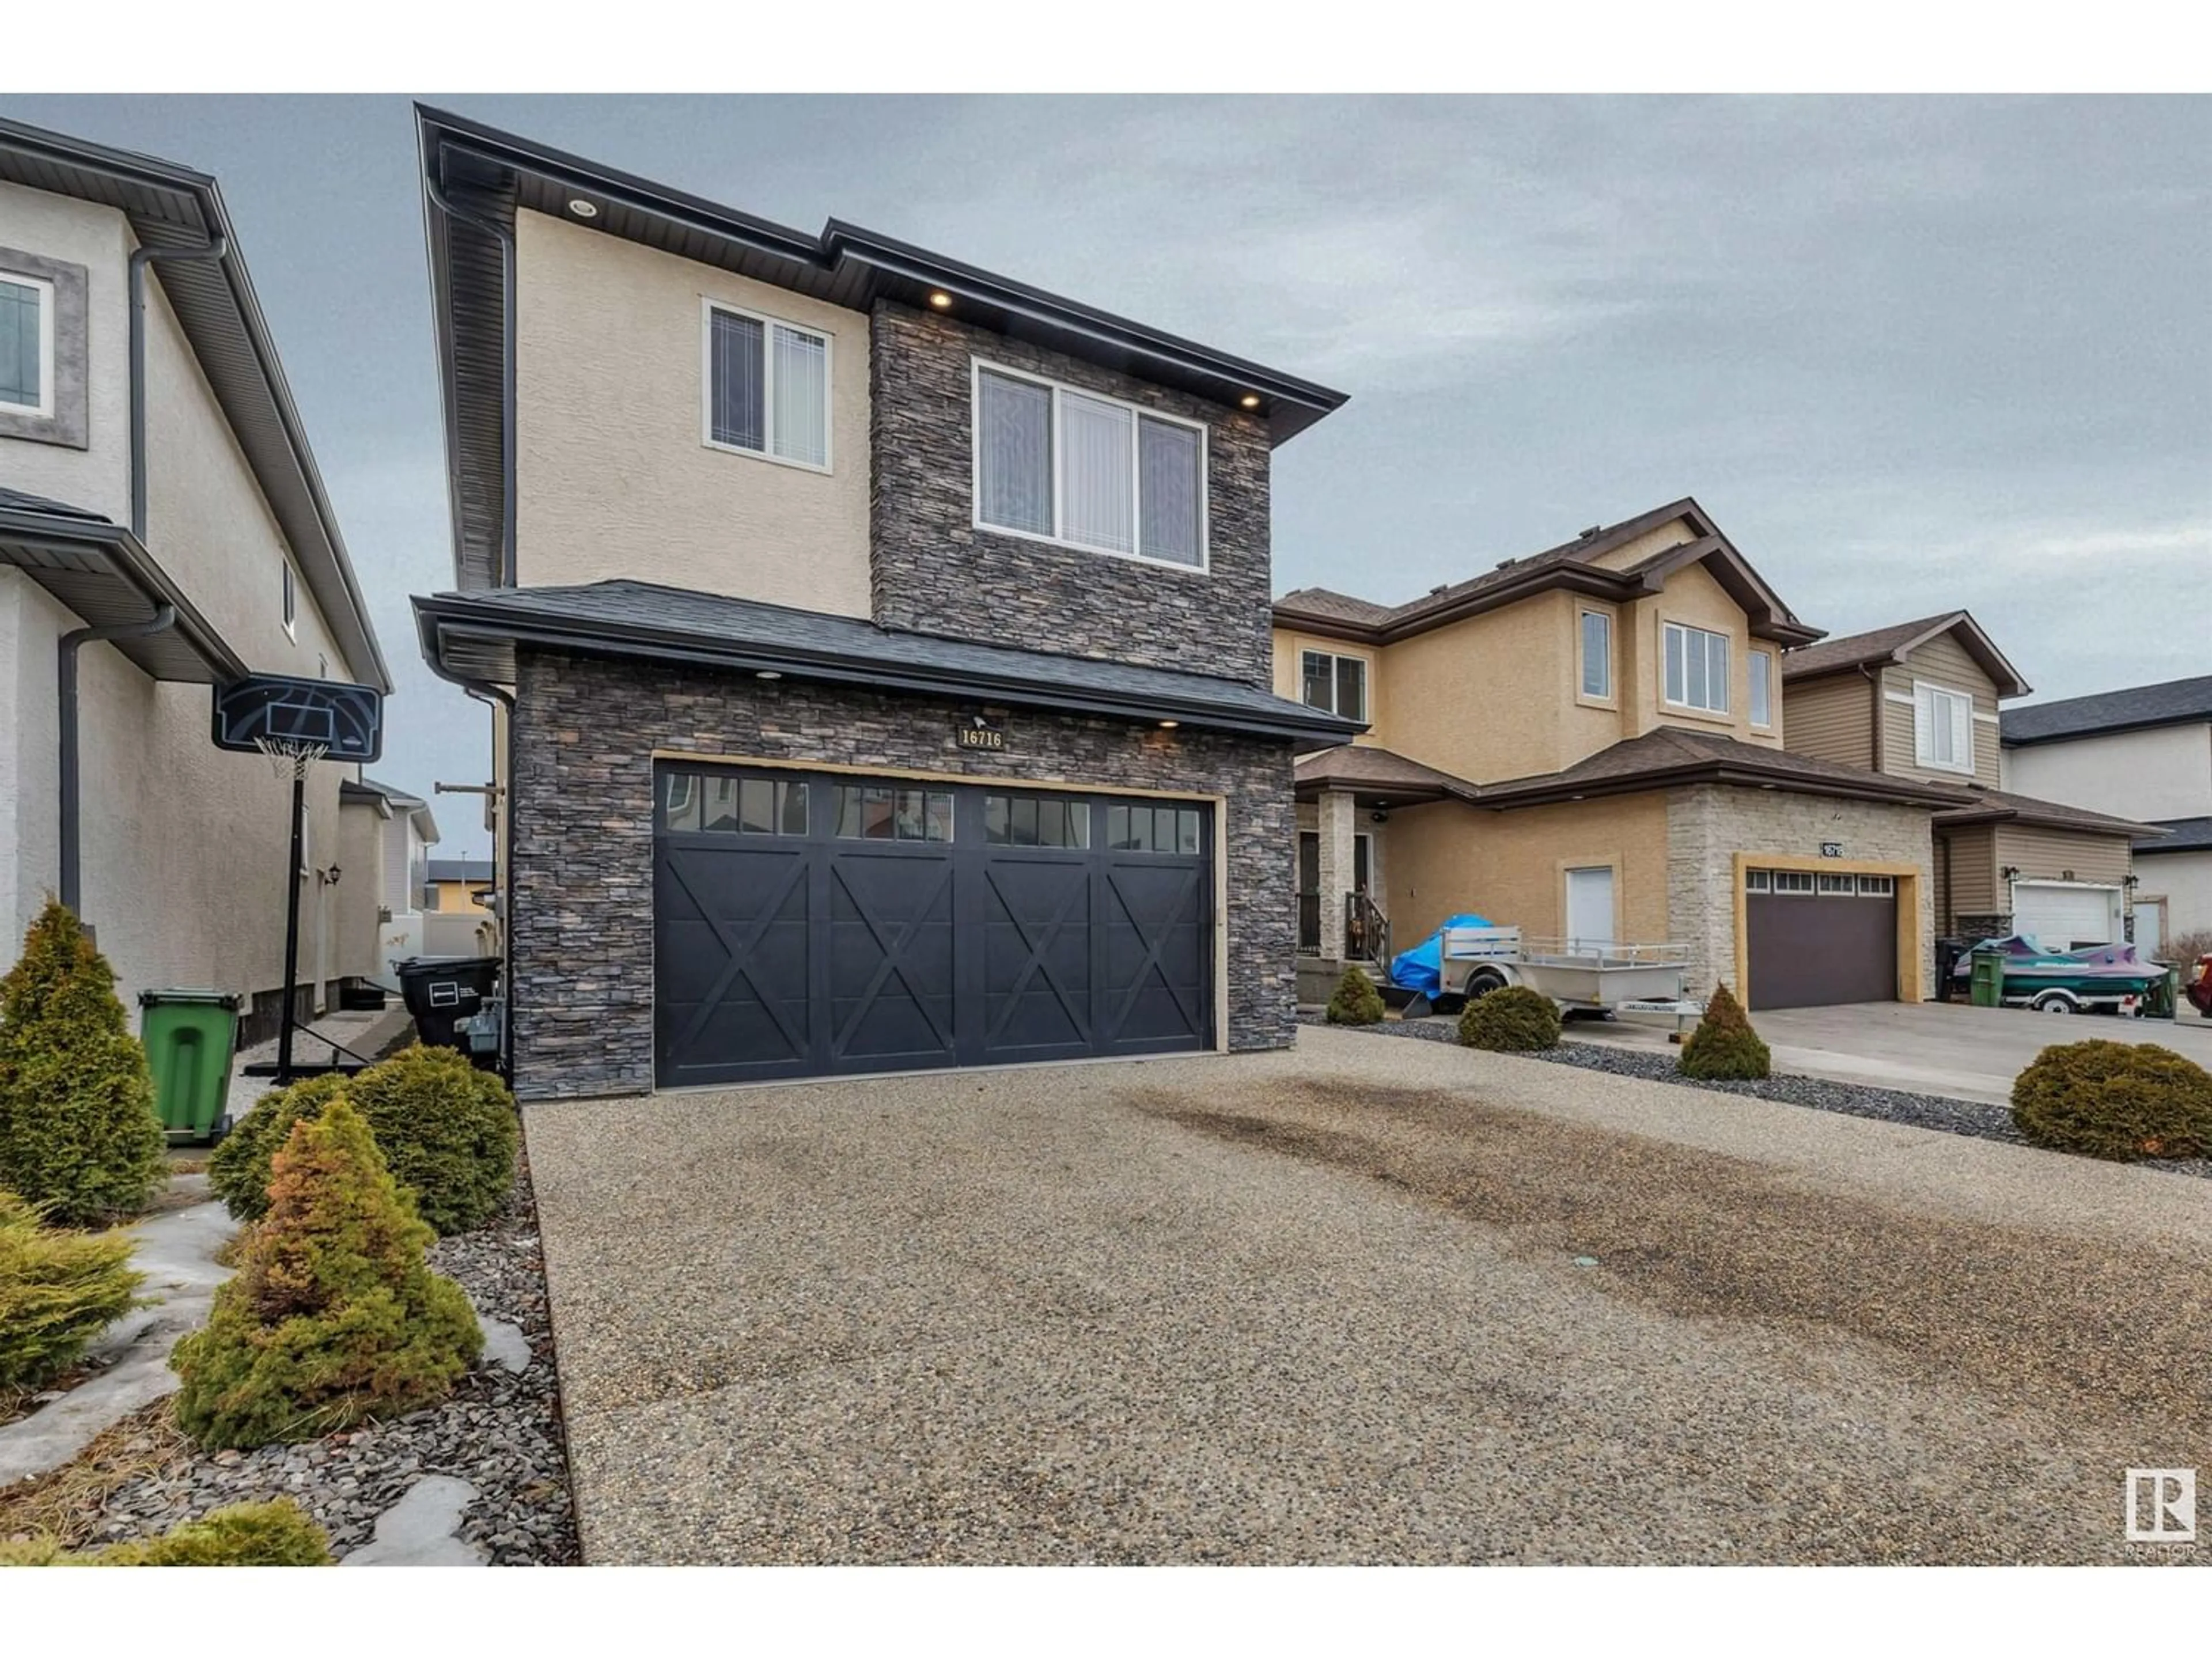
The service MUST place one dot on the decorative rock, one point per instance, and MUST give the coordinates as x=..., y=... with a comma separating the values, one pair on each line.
x=505, y=1343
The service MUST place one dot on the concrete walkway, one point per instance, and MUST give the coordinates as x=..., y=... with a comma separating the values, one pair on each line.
x=1947, y=1048
x=1371, y=1300
x=176, y=1251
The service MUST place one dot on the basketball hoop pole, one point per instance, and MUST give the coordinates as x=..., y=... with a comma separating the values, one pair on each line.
x=292, y=931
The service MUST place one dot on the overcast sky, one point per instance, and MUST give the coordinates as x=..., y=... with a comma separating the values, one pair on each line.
x=1911, y=355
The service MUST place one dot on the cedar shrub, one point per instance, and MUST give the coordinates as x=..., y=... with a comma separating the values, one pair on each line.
x=332, y=1316
x=1724, y=1048
x=2115, y=1100
x=275, y=1535
x=58, y=1290
x=1510, y=1020
x=447, y=1131
x=1357, y=1002
x=78, y=1137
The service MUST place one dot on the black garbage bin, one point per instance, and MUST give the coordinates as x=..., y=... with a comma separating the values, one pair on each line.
x=1947, y=952
x=439, y=991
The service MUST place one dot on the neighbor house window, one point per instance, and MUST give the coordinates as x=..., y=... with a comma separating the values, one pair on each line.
x=1762, y=688
x=768, y=388
x=291, y=602
x=1336, y=684
x=1697, y=669
x=1597, y=654
x=26, y=345
x=1942, y=729
x=1094, y=473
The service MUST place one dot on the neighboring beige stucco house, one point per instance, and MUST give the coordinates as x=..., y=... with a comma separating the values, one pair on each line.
x=1919, y=700
x=2147, y=752
x=1588, y=743
x=180, y=849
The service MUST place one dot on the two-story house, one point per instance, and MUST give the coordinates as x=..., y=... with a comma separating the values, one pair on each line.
x=1920, y=700
x=1588, y=744
x=2145, y=752
x=163, y=529
x=880, y=645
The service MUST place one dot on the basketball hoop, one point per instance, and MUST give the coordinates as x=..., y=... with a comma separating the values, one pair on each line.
x=289, y=757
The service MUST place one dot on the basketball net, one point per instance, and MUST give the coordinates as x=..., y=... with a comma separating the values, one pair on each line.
x=289, y=757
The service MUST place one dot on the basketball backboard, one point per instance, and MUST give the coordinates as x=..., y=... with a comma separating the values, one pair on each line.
x=348, y=720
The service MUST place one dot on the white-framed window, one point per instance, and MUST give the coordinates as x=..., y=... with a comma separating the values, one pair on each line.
x=1758, y=881
x=1334, y=683
x=26, y=345
x=1942, y=728
x=1838, y=886
x=1697, y=668
x=1595, y=628
x=1060, y=465
x=291, y=603
x=1762, y=688
x=1793, y=881
x=766, y=385
x=1877, y=886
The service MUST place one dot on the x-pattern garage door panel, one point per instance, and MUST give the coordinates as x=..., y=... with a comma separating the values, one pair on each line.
x=732, y=939
x=838, y=925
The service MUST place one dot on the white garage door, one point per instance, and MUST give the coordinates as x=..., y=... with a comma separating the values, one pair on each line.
x=2064, y=917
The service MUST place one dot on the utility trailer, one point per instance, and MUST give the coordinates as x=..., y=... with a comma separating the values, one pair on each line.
x=1580, y=975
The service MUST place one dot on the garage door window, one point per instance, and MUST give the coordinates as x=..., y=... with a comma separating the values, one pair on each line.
x=1877, y=886
x=1757, y=881
x=1152, y=829
x=744, y=806
x=1028, y=820
x=1793, y=881
x=877, y=812
x=1838, y=886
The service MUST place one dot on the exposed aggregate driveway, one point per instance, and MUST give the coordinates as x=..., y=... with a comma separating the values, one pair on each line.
x=1362, y=1301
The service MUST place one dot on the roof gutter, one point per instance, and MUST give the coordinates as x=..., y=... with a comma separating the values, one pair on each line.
x=440, y=619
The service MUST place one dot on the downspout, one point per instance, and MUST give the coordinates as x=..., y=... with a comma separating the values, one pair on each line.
x=164, y=616
x=493, y=696
x=504, y=238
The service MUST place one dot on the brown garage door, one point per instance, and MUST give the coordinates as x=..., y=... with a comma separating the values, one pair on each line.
x=1820, y=938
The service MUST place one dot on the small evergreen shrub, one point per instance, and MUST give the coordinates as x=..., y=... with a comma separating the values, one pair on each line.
x=244, y=1536
x=1510, y=1020
x=1724, y=1048
x=447, y=1131
x=58, y=1291
x=78, y=1137
x=332, y=1316
x=2117, y=1100
x=1357, y=1002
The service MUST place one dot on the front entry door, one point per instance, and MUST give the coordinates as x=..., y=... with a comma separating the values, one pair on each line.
x=1590, y=907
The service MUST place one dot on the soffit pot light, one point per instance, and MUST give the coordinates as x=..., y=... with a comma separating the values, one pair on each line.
x=582, y=209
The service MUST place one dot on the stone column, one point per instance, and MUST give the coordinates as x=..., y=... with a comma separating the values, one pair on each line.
x=1338, y=815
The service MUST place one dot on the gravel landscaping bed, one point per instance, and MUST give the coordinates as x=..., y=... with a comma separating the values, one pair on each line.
x=1959, y=1117
x=500, y=1432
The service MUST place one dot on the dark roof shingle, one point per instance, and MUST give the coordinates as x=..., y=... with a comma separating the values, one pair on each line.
x=2182, y=835
x=1670, y=754
x=2168, y=703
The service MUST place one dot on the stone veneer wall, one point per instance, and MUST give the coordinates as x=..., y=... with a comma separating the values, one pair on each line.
x=585, y=732
x=1708, y=824
x=934, y=572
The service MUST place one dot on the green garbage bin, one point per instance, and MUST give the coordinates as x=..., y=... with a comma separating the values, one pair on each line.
x=190, y=1036
x=1985, y=980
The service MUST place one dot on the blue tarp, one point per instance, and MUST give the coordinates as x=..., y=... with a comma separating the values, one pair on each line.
x=1421, y=968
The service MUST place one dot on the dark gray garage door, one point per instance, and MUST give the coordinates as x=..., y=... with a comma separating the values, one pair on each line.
x=1820, y=938
x=808, y=924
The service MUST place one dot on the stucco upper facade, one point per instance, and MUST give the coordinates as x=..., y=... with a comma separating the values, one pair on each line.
x=2164, y=772
x=182, y=848
x=1502, y=693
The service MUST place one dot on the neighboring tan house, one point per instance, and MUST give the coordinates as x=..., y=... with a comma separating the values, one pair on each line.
x=163, y=530
x=1919, y=700
x=456, y=884
x=1588, y=744
x=2145, y=752
x=886, y=643
x=397, y=850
